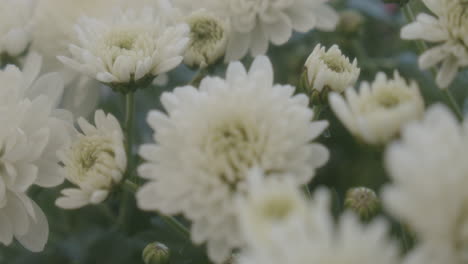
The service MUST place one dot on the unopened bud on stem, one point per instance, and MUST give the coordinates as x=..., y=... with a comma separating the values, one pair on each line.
x=156, y=253
x=362, y=201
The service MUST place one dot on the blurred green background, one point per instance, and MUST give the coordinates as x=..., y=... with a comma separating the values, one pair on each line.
x=88, y=235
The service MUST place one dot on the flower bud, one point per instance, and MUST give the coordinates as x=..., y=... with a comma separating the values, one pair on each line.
x=208, y=39
x=327, y=71
x=362, y=201
x=350, y=21
x=156, y=253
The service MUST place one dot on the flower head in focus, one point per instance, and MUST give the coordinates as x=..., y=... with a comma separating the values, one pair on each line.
x=15, y=28
x=329, y=71
x=377, y=113
x=128, y=51
x=235, y=124
x=208, y=39
x=94, y=162
x=32, y=133
x=448, y=29
x=429, y=176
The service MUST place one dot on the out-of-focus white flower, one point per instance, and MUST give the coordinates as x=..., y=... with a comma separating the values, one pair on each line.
x=316, y=239
x=94, y=162
x=377, y=113
x=208, y=39
x=429, y=176
x=449, y=30
x=32, y=133
x=235, y=124
x=254, y=24
x=270, y=203
x=130, y=50
x=15, y=26
x=330, y=69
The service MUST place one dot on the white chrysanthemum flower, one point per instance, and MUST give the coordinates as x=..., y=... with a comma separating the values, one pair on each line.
x=94, y=162
x=449, y=31
x=377, y=113
x=32, y=133
x=130, y=50
x=235, y=124
x=15, y=26
x=330, y=70
x=208, y=38
x=254, y=24
x=428, y=193
x=316, y=239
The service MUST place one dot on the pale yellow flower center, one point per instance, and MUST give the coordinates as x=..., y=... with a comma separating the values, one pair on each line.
x=234, y=147
x=277, y=208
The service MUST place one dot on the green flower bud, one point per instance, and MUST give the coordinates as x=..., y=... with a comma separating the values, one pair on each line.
x=156, y=253
x=350, y=21
x=362, y=201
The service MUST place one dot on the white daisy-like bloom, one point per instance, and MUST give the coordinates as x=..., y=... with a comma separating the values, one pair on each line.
x=330, y=70
x=208, y=39
x=15, y=26
x=448, y=30
x=235, y=124
x=95, y=161
x=316, y=239
x=32, y=133
x=129, y=50
x=429, y=176
x=254, y=24
x=377, y=113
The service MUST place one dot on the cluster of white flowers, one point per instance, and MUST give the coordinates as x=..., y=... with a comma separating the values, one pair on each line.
x=254, y=24
x=235, y=124
x=233, y=154
x=449, y=30
x=32, y=133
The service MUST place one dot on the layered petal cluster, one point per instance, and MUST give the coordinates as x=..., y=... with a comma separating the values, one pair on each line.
x=330, y=69
x=94, y=162
x=429, y=176
x=15, y=26
x=447, y=28
x=254, y=24
x=306, y=232
x=377, y=113
x=208, y=38
x=130, y=49
x=32, y=133
x=212, y=136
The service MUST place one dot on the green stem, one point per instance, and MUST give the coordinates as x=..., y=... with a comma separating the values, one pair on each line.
x=176, y=225
x=129, y=112
x=131, y=187
x=199, y=77
x=422, y=47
